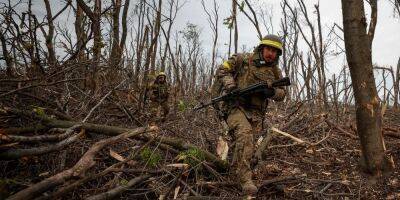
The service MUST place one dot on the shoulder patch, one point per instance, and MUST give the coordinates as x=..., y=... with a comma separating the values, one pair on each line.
x=227, y=65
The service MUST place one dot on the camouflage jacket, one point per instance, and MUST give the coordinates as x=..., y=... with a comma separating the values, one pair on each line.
x=158, y=92
x=242, y=70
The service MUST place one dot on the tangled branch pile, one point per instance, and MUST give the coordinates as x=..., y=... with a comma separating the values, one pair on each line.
x=101, y=148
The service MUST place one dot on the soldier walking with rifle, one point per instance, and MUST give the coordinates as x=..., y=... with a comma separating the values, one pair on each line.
x=245, y=83
x=158, y=92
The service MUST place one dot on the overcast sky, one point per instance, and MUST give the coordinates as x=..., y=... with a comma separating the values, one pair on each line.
x=386, y=45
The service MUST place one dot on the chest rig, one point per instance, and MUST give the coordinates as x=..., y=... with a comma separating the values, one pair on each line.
x=160, y=90
x=252, y=70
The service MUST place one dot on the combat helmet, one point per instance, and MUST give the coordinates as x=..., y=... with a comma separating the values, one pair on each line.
x=161, y=74
x=272, y=41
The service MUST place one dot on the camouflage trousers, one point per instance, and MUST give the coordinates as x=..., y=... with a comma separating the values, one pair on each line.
x=154, y=108
x=243, y=125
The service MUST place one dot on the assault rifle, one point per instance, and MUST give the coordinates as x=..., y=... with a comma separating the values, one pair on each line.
x=261, y=88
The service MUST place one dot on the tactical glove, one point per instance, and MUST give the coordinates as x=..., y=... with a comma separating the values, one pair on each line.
x=279, y=95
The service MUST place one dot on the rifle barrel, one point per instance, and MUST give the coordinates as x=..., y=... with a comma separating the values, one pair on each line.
x=278, y=83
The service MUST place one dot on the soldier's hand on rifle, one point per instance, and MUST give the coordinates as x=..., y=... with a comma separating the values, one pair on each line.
x=279, y=94
x=269, y=83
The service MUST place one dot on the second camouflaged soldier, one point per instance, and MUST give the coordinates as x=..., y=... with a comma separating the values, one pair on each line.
x=244, y=115
x=158, y=94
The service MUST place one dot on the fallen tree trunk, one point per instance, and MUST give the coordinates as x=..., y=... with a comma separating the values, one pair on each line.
x=78, y=170
x=18, y=153
x=392, y=134
x=177, y=143
x=333, y=125
x=113, y=168
x=111, y=194
x=21, y=130
x=39, y=138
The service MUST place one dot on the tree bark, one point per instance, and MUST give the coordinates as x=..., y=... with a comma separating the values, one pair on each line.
x=234, y=21
x=95, y=17
x=6, y=54
x=154, y=41
x=115, y=50
x=396, y=80
x=79, y=31
x=50, y=36
x=124, y=27
x=358, y=42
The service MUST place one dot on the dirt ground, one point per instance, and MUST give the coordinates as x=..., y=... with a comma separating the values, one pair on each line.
x=326, y=167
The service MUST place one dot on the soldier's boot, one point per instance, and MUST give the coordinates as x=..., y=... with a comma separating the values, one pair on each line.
x=249, y=188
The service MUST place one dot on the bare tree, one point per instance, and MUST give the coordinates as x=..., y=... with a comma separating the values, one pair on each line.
x=117, y=44
x=6, y=54
x=50, y=35
x=396, y=6
x=213, y=23
x=174, y=7
x=141, y=38
x=79, y=31
x=267, y=18
x=115, y=49
x=95, y=17
x=252, y=19
x=358, y=43
x=235, y=26
x=290, y=38
x=156, y=33
x=315, y=45
x=396, y=85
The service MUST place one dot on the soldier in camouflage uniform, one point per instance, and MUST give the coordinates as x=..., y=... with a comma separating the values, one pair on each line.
x=158, y=94
x=245, y=114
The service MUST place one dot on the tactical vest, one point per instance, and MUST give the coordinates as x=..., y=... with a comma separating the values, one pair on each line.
x=160, y=91
x=248, y=73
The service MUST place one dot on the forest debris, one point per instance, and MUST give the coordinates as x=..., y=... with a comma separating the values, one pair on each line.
x=222, y=148
x=120, y=189
x=116, y=156
x=176, y=192
x=44, y=174
x=39, y=138
x=298, y=140
x=327, y=173
x=392, y=132
x=211, y=198
x=277, y=180
x=336, y=126
x=85, y=163
x=21, y=130
x=8, y=145
x=177, y=143
x=179, y=165
x=18, y=153
x=120, y=158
